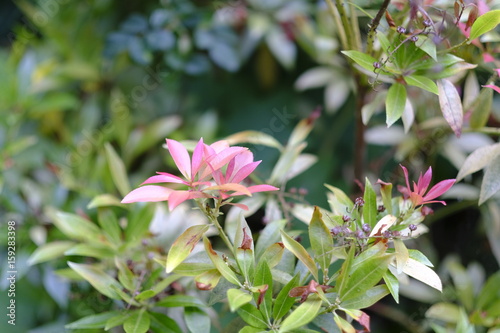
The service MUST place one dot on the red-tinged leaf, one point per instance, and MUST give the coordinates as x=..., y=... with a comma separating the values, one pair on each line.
x=451, y=105
x=148, y=193
x=472, y=17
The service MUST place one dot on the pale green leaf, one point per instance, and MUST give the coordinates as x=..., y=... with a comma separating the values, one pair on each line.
x=49, y=251
x=254, y=137
x=236, y=298
x=321, y=240
x=423, y=273
x=184, y=245
x=481, y=108
x=92, y=321
x=478, y=160
x=138, y=322
x=300, y=252
x=117, y=170
x=302, y=315
x=447, y=312
x=362, y=59
x=372, y=296
x=491, y=180
x=484, y=24
x=98, y=279
x=422, y=82
x=451, y=105
x=395, y=103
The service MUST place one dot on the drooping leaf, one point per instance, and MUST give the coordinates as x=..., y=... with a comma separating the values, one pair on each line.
x=98, y=279
x=491, y=180
x=343, y=324
x=300, y=252
x=75, y=227
x=90, y=250
x=402, y=255
x=395, y=103
x=273, y=254
x=302, y=315
x=184, y=245
x=422, y=273
x=484, y=23
x=392, y=283
x=420, y=257
x=451, y=105
x=208, y=280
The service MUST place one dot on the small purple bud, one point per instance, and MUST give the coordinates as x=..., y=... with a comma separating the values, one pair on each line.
x=359, y=202
x=360, y=234
x=303, y=191
x=387, y=234
x=414, y=38
x=335, y=230
x=293, y=190
x=427, y=23
x=396, y=233
x=377, y=65
x=346, y=218
x=401, y=30
x=412, y=227
x=346, y=231
x=380, y=208
x=366, y=228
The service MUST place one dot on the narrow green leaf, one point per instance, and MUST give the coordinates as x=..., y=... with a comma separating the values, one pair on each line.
x=116, y=320
x=250, y=329
x=138, y=222
x=386, y=193
x=484, y=24
x=423, y=273
x=300, y=252
x=284, y=302
x=268, y=236
x=75, y=227
x=98, y=279
x=236, y=298
x=490, y=292
x=321, y=240
x=344, y=272
x=92, y=321
x=197, y=320
x=138, y=322
x=481, y=108
x=49, y=251
x=447, y=312
x=395, y=103
x=370, y=207
x=208, y=280
x=372, y=296
x=302, y=315
x=146, y=294
x=193, y=268
x=95, y=250
x=221, y=266
x=184, y=245
x=180, y=301
x=420, y=257
x=125, y=275
x=104, y=200
x=263, y=277
x=451, y=105
x=117, y=170
x=339, y=201
x=422, y=82
x=252, y=316
x=343, y=324
x=392, y=284
x=362, y=59
x=108, y=221
x=254, y=137
x=491, y=180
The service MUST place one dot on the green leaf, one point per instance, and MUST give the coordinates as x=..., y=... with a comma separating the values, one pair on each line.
x=146, y=294
x=75, y=227
x=263, y=277
x=392, y=284
x=362, y=59
x=395, y=103
x=370, y=206
x=237, y=298
x=90, y=250
x=184, y=245
x=92, y=321
x=478, y=160
x=300, y=252
x=284, y=302
x=491, y=180
x=268, y=236
x=372, y=296
x=365, y=276
x=252, y=316
x=98, y=279
x=420, y=257
x=254, y=137
x=490, y=292
x=343, y=324
x=116, y=320
x=162, y=323
x=422, y=82
x=138, y=322
x=49, y=251
x=197, y=320
x=423, y=273
x=221, y=266
x=250, y=329
x=109, y=223
x=321, y=240
x=339, y=201
x=117, y=170
x=180, y=301
x=481, y=108
x=138, y=222
x=344, y=272
x=193, y=268
x=104, y=200
x=302, y=315
x=484, y=24
x=125, y=275
x=386, y=192
x=427, y=45
x=451, y=105
x=273, y=254
x=447, y=312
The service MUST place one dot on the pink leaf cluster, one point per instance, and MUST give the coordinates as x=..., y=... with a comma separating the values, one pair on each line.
x=213, y=171
x=418, y=195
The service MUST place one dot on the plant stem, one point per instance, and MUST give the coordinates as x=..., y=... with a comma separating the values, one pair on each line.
x=359, y=140
x=213, y=218
x=345, y=23
x=373, y=27
x=338, y=23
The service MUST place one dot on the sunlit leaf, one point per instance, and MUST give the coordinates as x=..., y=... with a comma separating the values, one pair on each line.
x=49, y=251
x=184, y=245
x=254, y=137
x=117, y=170
x=302, y=315
x=300, y=252
x=484, y=23
x=362, y=59
x=138, y=322
x=478, y=160
x=422, y=273
x=321, y=240
x=219, y=263
x=422, y=82
x=402, y=254
x=237, y=298
x=491, y=180
x=92, y=321
x=98, y=279
x=75, y=227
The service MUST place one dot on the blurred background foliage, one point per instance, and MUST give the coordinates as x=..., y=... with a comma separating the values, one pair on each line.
x=77, y=74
